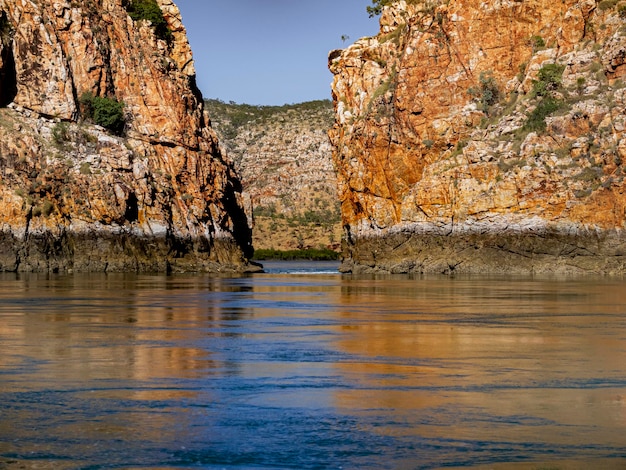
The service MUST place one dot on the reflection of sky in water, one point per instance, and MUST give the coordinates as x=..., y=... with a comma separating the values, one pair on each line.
x=314, y=370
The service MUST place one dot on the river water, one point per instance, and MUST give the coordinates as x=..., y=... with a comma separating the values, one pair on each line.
x=304, y=368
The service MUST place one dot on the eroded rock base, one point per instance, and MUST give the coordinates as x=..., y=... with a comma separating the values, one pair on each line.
x=545, y=252
x=120, y=252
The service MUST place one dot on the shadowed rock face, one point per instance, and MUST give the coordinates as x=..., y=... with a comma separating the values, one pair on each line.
x=75, y=197
x=484, y=137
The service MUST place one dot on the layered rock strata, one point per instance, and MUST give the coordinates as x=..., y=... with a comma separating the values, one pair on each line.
x=157, y=197
x=484, y=137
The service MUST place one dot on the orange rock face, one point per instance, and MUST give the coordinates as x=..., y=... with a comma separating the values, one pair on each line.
x=160, y=197
x=484, y=137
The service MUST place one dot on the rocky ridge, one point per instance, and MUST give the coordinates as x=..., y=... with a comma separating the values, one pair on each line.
x=484, y=137
x=77, y=197
x=284, y=158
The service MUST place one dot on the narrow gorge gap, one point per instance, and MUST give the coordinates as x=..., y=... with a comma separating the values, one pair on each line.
x=132, y=208
x=8, y=74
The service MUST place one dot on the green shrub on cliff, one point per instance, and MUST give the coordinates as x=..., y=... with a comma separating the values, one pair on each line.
x=537, y=43
x=149, y=10
x=106, y=112
x=377, y=6
x=486, y=93
x=548, y=79
x=61, y=133
x=536, y=121
x=607, y=4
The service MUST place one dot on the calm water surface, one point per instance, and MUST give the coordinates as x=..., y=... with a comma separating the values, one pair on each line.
x=303, y=368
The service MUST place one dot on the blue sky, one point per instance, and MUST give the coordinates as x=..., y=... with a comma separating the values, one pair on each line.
x=270, y=52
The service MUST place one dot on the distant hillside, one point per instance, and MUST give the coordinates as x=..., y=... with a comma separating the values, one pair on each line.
x=283, y=156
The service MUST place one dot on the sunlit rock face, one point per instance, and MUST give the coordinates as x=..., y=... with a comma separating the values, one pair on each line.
x=484, y=137
x=158, y=197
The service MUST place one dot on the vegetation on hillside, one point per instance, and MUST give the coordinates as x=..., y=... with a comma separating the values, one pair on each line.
x=149, y=10
x=106, y=112
x=232, y=116
x=548, y=82
x=486, y=93
x=311, y=254
x=377, y=6
x=283, y=156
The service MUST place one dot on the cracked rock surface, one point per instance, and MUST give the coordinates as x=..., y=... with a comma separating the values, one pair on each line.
x=75, y=197
x=482, y=137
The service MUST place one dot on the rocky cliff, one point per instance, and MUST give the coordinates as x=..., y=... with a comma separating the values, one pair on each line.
x=479, y=136
x=284, y=159
x=150, y=190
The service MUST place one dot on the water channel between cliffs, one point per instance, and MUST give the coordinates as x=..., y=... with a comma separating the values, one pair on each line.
x=302, y=367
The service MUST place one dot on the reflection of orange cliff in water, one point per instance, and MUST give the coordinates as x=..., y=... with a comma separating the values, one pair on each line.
x=119, y=363
x=469, y=366
x=453, y=355
x=137, y=336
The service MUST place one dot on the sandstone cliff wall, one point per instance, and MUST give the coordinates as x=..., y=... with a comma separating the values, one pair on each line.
x=484, y=137
x=75, y=197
